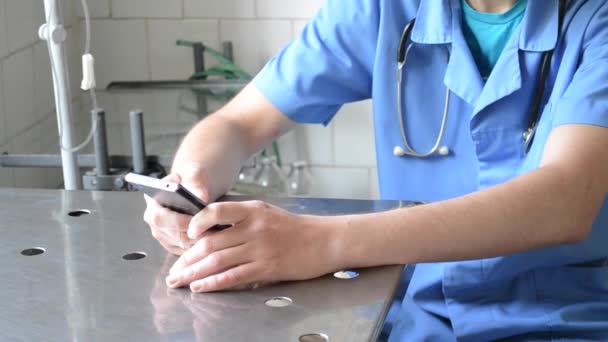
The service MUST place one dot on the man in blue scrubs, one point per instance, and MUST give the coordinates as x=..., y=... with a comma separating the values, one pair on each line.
x=513, y=244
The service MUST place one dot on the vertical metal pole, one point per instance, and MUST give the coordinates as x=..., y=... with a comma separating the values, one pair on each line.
x=227, y=50
x=101, y=143
x=138, y=144
x=199, y=57
x=63, y=96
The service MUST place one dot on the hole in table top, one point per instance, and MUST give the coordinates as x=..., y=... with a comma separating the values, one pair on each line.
x=314, y=338
x=278, y=302
x=33, y=251
x=79, y=212
x=346, y=275
x=134, y=256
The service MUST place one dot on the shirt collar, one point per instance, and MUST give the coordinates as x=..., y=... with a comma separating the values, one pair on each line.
x=538, y=28
x=434, y=22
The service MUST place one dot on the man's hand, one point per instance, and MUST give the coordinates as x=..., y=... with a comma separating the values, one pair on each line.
x=266, y=244
x=170, y=227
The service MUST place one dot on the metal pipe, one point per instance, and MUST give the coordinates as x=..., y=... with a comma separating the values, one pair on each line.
x=84, y=161
x=54, y=29
x=138, y=144
x=102, y=166
x=228, y=51
x=199, y=57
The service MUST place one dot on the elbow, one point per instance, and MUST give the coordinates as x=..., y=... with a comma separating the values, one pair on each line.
x=580, y=226
x=585, y=199
x=578, y=233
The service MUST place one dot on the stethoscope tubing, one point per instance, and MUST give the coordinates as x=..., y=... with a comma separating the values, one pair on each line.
x=529, y=132
x=408, y=149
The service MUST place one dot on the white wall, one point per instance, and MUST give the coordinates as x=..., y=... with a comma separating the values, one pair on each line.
x=135, y=40
x=27, y=123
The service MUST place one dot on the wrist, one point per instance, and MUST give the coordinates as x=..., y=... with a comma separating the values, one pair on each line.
x=331, y=238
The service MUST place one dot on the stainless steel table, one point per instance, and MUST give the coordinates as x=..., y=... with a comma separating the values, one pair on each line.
x=81, y=288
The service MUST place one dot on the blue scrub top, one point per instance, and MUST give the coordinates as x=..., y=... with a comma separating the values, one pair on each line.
x=348, y=52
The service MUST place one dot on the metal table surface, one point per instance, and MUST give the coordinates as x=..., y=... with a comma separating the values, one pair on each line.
x=82, y=289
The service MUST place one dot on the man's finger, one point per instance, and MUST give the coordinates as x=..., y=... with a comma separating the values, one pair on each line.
x=161, y=217
x=232, y=278
x=208, y=244
x=223, y=213
x=212, y=264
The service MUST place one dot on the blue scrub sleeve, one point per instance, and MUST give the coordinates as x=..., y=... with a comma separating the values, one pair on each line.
x=328, y=65
x=586, y=98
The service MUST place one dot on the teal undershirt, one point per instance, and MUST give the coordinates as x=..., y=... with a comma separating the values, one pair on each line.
x=487, y=34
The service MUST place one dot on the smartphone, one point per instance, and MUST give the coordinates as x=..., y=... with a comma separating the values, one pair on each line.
x=170, y=195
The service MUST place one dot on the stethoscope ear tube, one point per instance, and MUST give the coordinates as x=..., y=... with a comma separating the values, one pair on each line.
x=540, y=87
x=401, y=52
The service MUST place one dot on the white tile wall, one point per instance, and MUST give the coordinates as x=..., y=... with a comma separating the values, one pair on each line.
x=337, y=182
x=168, y=61
x=311, y=143
x=22, y=22
x=134, y=40
x=19, y=91
x=27, y=122
x=255, y=41
x=316, y=144
x=298, y=27
x=219, y=9
x=74, y=50
x=2, y=113
x=3, y=29
x=43, y=81
x=28, y=142
x=146, y=8
x=98, y=8
x=353, y=136
x=70, y=11
x=120, y=50
x=50, y=137
x=7, y=176
x=288, y=8
x=374, y=189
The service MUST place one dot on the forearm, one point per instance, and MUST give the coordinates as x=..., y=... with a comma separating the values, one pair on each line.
x=216, y=145
x=221, y=143
x=530, y=212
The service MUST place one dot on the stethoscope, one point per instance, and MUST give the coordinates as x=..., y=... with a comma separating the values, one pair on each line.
x=438, y=149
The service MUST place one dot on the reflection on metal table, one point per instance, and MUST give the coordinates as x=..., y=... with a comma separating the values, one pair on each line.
x=66, y=277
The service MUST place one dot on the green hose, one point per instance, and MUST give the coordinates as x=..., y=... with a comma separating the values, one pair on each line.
x=230, y=71
x=226, y=69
